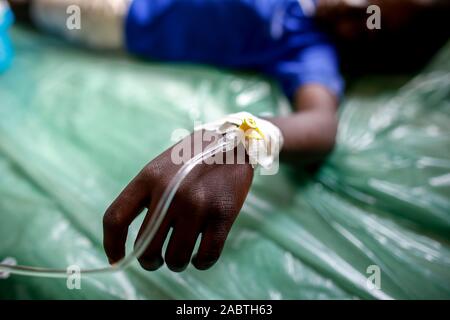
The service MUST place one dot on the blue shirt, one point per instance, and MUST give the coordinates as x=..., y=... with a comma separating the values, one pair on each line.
x=271, y=36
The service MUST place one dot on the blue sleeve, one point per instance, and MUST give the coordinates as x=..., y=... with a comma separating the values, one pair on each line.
x=314, y=64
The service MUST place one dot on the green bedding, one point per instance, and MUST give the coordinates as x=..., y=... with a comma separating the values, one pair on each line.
x=76, y=126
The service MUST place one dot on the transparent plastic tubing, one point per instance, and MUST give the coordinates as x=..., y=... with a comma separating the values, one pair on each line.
x=150, y=230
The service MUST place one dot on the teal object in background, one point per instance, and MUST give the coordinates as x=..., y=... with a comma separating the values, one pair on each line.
x=77, y=126
x=6, y=50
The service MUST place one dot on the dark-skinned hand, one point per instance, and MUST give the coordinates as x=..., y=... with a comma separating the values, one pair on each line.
x=206, y=204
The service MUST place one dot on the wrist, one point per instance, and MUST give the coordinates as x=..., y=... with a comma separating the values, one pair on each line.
x=258, y=139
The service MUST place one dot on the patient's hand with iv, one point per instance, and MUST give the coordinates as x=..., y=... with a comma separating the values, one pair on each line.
x=209, y=200
x=206, y=204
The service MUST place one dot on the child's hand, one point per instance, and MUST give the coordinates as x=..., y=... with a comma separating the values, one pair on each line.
x=208, y=202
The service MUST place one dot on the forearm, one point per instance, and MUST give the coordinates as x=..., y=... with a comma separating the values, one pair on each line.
x=310, y=133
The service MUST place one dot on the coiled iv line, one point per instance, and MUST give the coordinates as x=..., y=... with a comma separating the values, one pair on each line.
x=223, y=144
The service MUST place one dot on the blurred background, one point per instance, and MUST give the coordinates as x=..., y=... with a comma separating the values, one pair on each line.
x=76, y=125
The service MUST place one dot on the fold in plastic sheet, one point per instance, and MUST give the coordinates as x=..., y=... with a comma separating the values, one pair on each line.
x=76, y=126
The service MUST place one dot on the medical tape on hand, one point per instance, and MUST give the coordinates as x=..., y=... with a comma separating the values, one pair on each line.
x=262, y=139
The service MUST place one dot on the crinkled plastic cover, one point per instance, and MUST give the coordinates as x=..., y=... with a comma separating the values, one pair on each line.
x=76, y=126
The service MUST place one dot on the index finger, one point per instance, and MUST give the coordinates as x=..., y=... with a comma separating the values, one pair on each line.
x=120, y=214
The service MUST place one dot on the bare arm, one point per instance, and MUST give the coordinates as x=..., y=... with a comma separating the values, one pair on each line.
x=309, y=133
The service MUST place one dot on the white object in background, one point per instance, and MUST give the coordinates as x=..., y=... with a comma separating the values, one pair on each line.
x=101, y=21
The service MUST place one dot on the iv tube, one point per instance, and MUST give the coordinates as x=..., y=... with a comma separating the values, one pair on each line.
x=150, y=230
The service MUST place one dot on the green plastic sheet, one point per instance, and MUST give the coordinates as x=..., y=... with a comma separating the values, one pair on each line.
x=76, y=126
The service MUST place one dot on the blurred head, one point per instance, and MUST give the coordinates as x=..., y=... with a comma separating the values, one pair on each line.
x=347, y=18
x=410, y=32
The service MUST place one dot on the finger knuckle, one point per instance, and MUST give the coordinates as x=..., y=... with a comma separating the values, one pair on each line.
x=148, y=173
x=194, y=199
x=222, y=210
x=112, y=219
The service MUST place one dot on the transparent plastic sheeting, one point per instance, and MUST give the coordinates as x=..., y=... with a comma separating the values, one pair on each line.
x=76, y=126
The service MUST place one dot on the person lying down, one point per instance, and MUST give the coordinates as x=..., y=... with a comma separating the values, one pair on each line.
x=278, y=38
